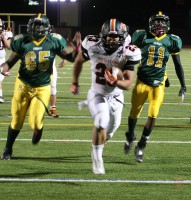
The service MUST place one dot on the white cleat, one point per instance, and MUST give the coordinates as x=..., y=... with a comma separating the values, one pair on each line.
x=1, y=100
x=98, y=166
x=82, y=104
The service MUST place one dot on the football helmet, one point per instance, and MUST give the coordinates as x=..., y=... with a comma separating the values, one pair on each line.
x=159, y=23
x=38, y=26
x=2, y=25
x=113, y=28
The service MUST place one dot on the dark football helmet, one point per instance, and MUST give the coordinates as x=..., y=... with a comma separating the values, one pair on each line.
x=38, y=26
x=113, y=28
x=2, y=25
x=159, y=23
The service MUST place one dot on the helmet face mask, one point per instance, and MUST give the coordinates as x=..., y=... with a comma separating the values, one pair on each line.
x=159, y=24
x=38, y=26
x=113, y=34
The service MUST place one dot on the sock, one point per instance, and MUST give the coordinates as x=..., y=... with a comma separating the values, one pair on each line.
x=1, y=93
x=98, y=151
x=145, y=136
x=11, y=136
x=131, y=124
x=37, y=135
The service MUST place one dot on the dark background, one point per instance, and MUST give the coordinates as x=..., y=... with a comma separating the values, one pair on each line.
x=93, y=13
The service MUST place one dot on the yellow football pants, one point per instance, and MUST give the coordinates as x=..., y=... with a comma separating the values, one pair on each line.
x=24, y=99
x=141, y=92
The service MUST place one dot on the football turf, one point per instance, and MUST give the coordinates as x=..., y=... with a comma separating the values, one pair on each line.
x=59, y=167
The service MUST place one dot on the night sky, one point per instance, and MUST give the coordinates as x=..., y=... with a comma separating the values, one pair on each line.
x=94, y=13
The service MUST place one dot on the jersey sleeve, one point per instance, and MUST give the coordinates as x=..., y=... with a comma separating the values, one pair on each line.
x=176, y=44
x=132, y=53
x=9, y=34
x=59, y=41
x=87, y=43
x=16, y=43
x=138, y=37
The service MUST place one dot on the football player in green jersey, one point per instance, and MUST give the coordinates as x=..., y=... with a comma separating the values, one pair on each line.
x=156, y=47
x=36, y=50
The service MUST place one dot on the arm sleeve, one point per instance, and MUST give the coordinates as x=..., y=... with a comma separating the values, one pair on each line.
x=179, y=69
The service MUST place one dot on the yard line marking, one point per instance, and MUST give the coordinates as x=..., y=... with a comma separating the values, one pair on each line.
x=110, y=141
x=93, y=180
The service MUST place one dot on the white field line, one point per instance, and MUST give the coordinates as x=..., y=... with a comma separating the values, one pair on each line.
x=56, y=180
x=112, y=141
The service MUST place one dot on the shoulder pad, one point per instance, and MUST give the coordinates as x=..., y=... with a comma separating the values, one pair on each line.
x=19, y=36
x=90, y=40
x=176, y=43
x=133, y=53
x=56, y=35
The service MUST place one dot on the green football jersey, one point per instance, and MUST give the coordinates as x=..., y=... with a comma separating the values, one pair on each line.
x=155, y=53
x=37, y=57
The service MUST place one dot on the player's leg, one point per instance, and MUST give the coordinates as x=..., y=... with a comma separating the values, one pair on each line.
x=52, y=111
x=138, y=98
x=155, y=97
x=1, y=89
x=99, y=110
x=116, y=108
x=2, y=60
x=36, y=116
x=19, y=107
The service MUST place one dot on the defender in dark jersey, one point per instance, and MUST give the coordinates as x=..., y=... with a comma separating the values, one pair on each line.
x=37, y=51
x=156, y=47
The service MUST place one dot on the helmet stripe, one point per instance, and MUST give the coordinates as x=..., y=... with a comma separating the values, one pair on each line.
x=160, y=13
x=39, y=15
x=112, y=24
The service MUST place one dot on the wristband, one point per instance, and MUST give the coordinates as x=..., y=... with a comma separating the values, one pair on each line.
x=78, y=48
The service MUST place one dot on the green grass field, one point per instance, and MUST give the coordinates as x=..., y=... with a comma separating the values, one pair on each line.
x=59, y=167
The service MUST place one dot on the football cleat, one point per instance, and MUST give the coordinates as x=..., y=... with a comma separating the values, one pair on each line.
x=128, y=143
x=1, y=100
x=138, y=154
x=97, y=166
x=6, y=155
x=36, y=136
x=53, y=113
x=82, y=104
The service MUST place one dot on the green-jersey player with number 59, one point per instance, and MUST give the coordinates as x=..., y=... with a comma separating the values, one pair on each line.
x=156, y=47
x=36, y=50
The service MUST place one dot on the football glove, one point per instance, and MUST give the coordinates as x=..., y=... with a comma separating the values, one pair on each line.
x=109, y=77
x=182, y=93
x=167, y=83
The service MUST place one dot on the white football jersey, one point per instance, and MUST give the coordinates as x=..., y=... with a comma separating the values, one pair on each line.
x=100, y=60
x=8, y=35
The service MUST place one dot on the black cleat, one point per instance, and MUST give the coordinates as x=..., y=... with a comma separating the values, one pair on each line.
x=128, y=143
x=36, y=136
x=6, y=155
x=138, y=154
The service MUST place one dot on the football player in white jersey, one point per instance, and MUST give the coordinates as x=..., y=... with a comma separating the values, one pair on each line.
x=105, y=97
x=5, y=41
x=52, y=111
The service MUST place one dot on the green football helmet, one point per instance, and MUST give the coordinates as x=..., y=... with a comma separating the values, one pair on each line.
x=159, y=23
x=38, y=26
